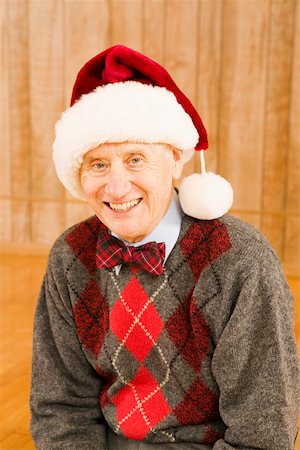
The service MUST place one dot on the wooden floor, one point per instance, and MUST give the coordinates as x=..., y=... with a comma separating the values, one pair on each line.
x=20, y=278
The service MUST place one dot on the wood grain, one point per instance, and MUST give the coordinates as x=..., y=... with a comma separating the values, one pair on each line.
x=21, y=225
x=274, y=175
x=19, y=98
x=19, y=285
x=5, y=220
x=5, y=135
x=291, y=255
x=280, y=38
x=76, y=212
x=181, y=51
x=209, y=57
x=47, y=92
x=242, y=103
x=48, y=220
x=153, y=29
x=91, y=20
x=293, y=169
x=126, y=23
x=15, y=129
x=291, y=247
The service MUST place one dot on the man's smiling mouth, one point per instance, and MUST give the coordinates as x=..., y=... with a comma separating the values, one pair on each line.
x=123, y=206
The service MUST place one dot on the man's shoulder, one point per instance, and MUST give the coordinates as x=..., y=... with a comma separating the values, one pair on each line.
x=77, y=239
x=229, y=249
x=239, y=238
x=243, y=232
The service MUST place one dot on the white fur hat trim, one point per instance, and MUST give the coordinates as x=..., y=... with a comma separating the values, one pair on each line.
x=119, y=112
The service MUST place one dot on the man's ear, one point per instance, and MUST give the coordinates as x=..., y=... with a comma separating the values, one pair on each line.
x=177, y=163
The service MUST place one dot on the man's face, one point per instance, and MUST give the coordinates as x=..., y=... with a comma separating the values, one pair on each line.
x=130, y=185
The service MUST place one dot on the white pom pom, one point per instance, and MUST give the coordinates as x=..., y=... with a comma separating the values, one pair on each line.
x=205, y=196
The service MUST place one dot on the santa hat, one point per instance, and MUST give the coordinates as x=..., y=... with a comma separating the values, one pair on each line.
x=121, y=95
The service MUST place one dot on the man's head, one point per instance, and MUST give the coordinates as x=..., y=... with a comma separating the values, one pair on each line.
x=130, y=185
x=121, y=96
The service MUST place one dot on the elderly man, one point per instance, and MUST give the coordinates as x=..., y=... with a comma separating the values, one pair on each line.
x=161, y=323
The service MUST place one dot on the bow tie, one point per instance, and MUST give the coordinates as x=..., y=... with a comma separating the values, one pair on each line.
x=111, y=252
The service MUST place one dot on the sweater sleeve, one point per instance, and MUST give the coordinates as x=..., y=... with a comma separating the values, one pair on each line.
x=255, y=362
x=65, y=412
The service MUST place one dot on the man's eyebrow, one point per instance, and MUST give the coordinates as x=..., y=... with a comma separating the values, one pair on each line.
x=126, y=154
x=89, y=159
x=138, y=151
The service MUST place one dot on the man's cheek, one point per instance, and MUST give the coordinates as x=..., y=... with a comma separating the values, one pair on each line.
x=91, y=185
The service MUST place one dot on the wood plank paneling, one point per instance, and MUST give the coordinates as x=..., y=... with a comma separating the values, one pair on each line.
x=126, y=23
x=180, y=40
x=48, y=219
x=280, y=38
x=47, y=95
x=20, y=221
x=293, y=160
x=46, y=92
x=24, y=275
x=291, y=248
x=5, y=220
x=76, y=212
x=19, y=142
x=291, y=255
x=5, y=135
x=19, y=98
x=281, y=29
x=180, y=50
x=209, y=75
x=153, y=29
x=242, y=104
x=83, y=19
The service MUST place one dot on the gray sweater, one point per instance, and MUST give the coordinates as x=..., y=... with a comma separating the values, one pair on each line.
x=204, y=353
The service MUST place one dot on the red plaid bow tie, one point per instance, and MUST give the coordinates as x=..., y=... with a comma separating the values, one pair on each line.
x=111, y=252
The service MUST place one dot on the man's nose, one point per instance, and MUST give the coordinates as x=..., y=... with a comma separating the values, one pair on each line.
x=118, y=184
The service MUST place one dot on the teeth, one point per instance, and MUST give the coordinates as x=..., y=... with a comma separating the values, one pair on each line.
x=124, y=206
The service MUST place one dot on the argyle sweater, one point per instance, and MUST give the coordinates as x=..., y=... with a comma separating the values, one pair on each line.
x=204, y=353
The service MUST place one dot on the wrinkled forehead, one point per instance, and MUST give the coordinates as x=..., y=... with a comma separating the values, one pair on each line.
x=108, y=150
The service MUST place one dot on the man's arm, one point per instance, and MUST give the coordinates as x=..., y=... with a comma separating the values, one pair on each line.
x=65, y=388
x=256, y=365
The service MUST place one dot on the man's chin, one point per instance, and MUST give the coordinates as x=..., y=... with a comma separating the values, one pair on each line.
x=129, y=235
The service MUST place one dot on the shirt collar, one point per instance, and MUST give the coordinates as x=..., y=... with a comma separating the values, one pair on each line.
x=167, y=230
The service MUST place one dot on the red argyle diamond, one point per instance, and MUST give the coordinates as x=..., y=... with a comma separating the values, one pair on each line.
x=135, y=321
x=213, y=240
x=83, y=239
x=140, y=405
x=189, y=331
x=91, y=317
x=199, y=405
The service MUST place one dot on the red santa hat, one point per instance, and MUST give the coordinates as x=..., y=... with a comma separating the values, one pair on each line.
x=121, y=95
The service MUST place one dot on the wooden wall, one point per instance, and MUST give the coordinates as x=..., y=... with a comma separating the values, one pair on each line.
x=237, y=60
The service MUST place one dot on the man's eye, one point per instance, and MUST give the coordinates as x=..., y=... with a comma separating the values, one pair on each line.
x=136, y=161
x=98, y=165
